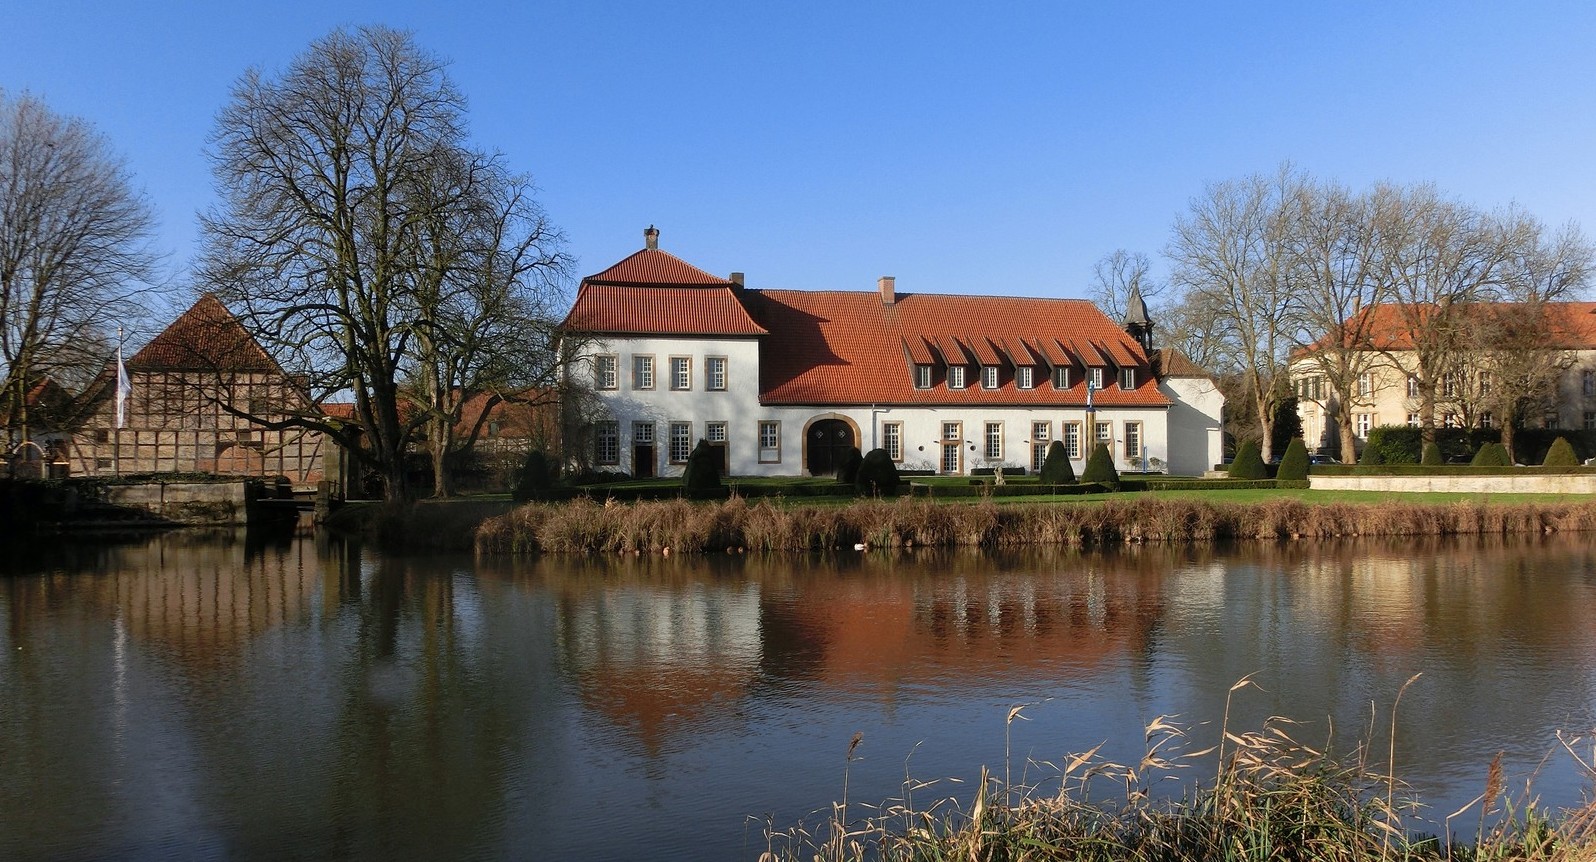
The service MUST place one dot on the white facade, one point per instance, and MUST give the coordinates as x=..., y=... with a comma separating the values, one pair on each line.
x=1196, y=423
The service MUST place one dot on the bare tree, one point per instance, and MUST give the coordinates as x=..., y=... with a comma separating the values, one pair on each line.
x=331, y=174
x=75, y=255
x=1116, y=275
x=1232, y=259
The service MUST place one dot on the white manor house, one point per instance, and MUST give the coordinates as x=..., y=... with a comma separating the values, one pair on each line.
x=786, y=382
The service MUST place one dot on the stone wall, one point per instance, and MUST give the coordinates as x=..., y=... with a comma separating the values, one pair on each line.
x=196, y=503
x=1526, y=484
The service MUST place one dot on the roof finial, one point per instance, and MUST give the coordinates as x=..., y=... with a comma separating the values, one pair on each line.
x=651, y=237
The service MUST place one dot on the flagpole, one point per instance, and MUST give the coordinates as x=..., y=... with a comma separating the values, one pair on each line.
x=120, y=416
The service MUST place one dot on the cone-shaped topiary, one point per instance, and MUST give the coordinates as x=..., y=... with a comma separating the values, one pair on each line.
x=1100, y=467
x=877, y=475
x=702, y=473
x=1432, y=455
x=1056, y=467
x=1248, y=463
x=848, y=471
x=534, y=479
x=1491, y=455
x=1561, y=454
x=1294, y=464
x=1371, y=455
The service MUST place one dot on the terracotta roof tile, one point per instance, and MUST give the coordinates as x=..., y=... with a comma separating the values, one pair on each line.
x=982, y=349
x=1169, y=362
x=659, y=310
x=918, y=352
x=207, y=337
x=1572, y=325
x=653, y=267
x=847, y=347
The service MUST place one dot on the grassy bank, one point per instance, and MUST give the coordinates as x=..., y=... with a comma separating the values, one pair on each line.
x=1267, y=797
x=583, y=526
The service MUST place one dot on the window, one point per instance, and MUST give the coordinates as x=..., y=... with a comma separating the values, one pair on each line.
x=1485, y=383
x=607, y=442
x=955, y=376
x=994, y=440
x=1550, y=420
x=681, y=373
x=1590, y=420
x=681, y=441
x=1364, y=421
x=1041, y=438
x=1097, y=378
x=769, y=442
x=605, y=373
x=989, y=377
x=643, y=432
x=952, y=440
x=715, y=373
x=1024, y=377
x=1588, y=382
x=102, y=463
x=1487, y=420
x=715, y=432
x=1449, y=386
x=642, y=372
x=892, y=440
x=1105, y=432
x=922, y=377
x=1127, y=378
x=1413, y=387
x=1072, y=440
x=102, y=435
x=1450, y=420
x=1413, y=420
x=1365, y=384
x=1133, y=441
x=1061, y=377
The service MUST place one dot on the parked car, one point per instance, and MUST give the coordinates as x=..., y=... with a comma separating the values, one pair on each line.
x=1322, y=459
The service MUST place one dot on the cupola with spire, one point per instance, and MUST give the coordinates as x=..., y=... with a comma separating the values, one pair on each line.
x=1137, y=321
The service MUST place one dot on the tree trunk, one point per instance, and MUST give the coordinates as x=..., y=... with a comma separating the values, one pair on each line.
x=439, y=444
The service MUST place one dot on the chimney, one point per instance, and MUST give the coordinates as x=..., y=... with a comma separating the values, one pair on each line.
x=737, y=279
x=889, y=294
x=651, y=237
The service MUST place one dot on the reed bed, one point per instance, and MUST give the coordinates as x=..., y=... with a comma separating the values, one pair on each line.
x=585, y=527
x=1270, y=797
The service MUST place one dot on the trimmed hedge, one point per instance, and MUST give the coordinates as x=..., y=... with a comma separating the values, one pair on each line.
x=877, y=474
x=1248, y=464
x=1561, y=454
x=1432, y=455
x=1056, y=467
x=985, y=489
x=1491, y=455
x=1100, y=467
x=1294, y=464
x=1443, y=470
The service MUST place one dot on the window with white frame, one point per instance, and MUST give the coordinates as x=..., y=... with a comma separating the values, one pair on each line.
x=1024, y=377
x=1097, y=378
x=1413, y=420
x=922, y=377
x=1105, y=433
x=642, y=372
x=1449, y=386
x=643, y=432
x=1451, y=420
x=606, y=374
x=1487, y=420
x=993, y=438
x=1550, y=420
x=1365, y=384
x=1127, y=378
x=989, y=377
x=607, y=442
x=955, y=376
x=681, y=373
x=769, y=442
x=892, y=439
x=715, y=373
x=1413, y=387
x=715, y=432
x=1485, y=383
x=1061, y=377
x=1041, y=438
x=681, y=441
x=1590, y=420
x=952, y=444
x=1072, y=440
x=1133, y=441
x=1363, y=422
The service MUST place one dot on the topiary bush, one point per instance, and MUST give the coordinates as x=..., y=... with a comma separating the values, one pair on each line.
x=877, y=475
x=1100, y=467
x=1248, y=464
x=1491, y=455
x=535, y=478
x=1056, y=467
x=848, y=470
x=1371, y=455
x=702, y=473
x=1294, y=464
x=1561, y=454
x=1396, y=444
x=1432, y=455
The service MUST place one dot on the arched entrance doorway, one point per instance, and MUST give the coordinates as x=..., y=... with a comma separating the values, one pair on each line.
x=826, y=444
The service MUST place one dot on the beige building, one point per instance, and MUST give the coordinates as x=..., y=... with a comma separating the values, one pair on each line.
x=1388, y=392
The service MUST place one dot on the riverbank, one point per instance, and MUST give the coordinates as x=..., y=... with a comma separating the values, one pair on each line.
x=680, y=526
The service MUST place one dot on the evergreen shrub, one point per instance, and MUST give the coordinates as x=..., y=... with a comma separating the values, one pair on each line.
x=1248, y=464
x=702, y=473
x=848, y=471
x=1561, y=454
x=877, y=475
x=535, y=478
x=1294, y=464
x=1432, y=455
x=1491, y=455
x=1056, y=467
x=1100, y=467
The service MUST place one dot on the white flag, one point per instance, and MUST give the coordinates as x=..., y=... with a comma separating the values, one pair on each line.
x=124, y=389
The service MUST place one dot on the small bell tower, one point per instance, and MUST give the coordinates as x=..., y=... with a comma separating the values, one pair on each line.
x=1137, y=322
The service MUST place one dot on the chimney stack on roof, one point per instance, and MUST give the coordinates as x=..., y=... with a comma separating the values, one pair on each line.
x=888, y=286
x=651, y=237
x=737, y=279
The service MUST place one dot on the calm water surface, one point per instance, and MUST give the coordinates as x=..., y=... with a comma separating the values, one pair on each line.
x=209, y=697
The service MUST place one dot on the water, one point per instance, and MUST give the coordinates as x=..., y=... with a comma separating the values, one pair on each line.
x=206, y=697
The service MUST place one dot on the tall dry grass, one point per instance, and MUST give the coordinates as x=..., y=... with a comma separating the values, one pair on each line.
x=584, y=526
x=1270, y=798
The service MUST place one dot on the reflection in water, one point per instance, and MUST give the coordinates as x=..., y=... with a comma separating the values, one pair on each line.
x=210, y=696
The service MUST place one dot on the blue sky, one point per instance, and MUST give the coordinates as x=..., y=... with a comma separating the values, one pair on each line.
x=964, y=148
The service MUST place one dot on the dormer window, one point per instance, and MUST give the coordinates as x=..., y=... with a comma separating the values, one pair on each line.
x=989, y=377
x=922, y=377
x=1024, y=377
x=955, y=376
x=1061, y=377
x=1097, y=378
x=1127, y=378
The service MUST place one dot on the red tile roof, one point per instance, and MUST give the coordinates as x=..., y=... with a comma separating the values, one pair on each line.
x=1571, y=325
x=654, y=268
x=207, y=337
x=638, y=310
x=846, y=347
x=1169, y=362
